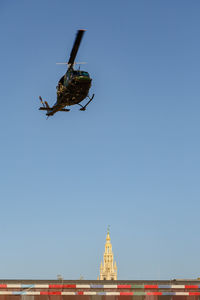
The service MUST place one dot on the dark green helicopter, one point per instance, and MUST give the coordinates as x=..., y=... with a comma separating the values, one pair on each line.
x=73, y=87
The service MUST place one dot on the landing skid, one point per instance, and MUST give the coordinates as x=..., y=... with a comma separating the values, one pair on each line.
x=83, y=108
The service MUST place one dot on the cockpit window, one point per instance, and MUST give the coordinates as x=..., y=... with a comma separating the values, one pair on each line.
x=83, y=73
x=80, y=73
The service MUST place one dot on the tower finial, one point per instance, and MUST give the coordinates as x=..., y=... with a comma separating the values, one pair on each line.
x=108, y=229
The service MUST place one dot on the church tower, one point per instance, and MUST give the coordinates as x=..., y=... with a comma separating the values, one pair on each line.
x=108, y=270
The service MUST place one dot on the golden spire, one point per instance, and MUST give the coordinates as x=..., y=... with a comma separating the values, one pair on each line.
x=108, y=270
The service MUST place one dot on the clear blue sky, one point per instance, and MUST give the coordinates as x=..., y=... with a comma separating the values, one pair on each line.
x=132, y=160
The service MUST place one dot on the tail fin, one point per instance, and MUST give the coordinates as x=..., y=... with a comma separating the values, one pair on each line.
x=47, y=105
x=44, y=103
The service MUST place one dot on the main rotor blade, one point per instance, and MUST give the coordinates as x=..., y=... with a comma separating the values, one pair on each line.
x=75, y=47
x=75, y=63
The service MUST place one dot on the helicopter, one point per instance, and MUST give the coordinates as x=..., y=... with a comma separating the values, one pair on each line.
x=73, y=87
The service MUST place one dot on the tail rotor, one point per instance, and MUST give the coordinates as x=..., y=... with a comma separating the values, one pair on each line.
x=45, y=105
x=41, y=101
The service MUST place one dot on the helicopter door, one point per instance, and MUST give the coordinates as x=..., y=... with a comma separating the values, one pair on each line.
x=67, y=78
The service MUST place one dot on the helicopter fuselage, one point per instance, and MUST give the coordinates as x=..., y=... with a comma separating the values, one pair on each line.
x=72, y=88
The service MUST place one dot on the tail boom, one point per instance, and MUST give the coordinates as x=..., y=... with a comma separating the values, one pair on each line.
x=51, y=108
